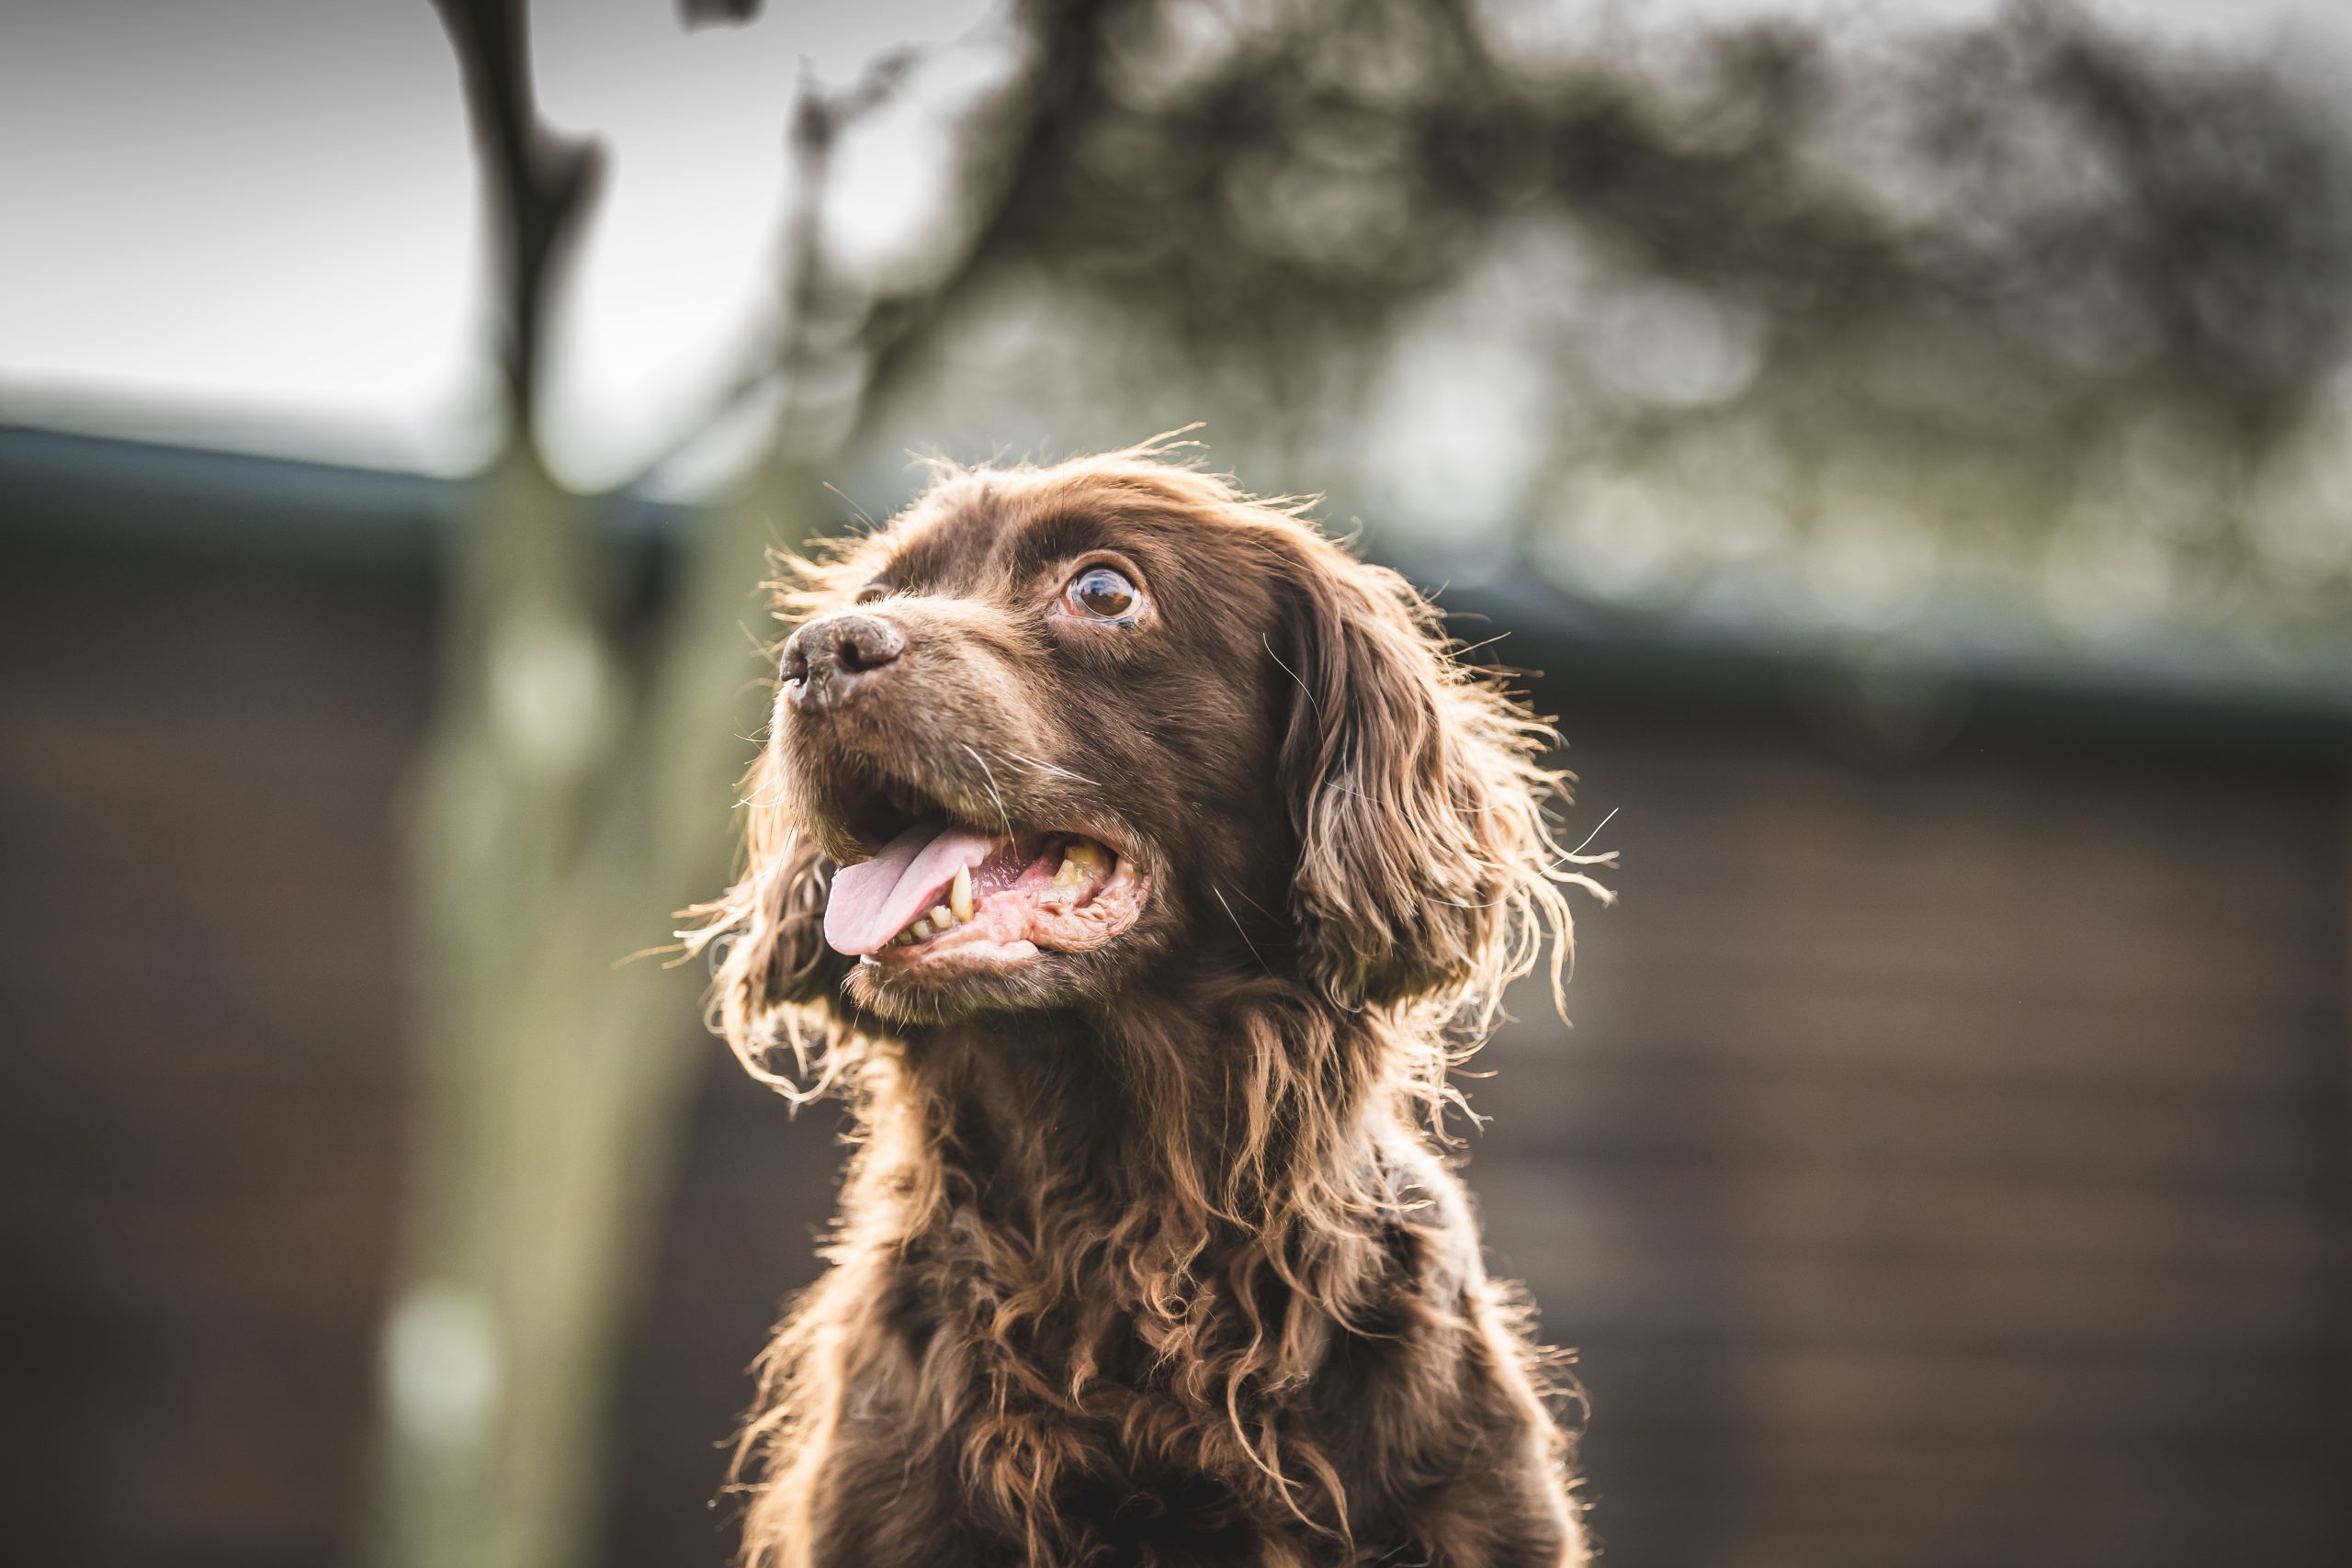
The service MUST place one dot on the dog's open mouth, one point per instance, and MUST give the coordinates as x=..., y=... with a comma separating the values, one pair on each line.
x=943, y=892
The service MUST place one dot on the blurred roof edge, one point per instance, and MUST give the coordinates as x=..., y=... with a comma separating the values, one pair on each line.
x=1885, y=697
x=1909, y=677
x=140, y=491
x=52, y=480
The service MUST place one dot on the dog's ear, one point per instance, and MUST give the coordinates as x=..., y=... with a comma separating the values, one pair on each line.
x=774, y=971
x=1415, y=788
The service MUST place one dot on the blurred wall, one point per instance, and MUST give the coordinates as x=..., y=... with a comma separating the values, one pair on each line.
x=202, y=998
x=1948, y=1165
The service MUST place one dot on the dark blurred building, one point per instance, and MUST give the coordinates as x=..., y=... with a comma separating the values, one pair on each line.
x=1947, y=1166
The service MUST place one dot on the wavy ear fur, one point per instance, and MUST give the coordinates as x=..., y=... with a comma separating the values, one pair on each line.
x=774, y=969
x=1427, y=872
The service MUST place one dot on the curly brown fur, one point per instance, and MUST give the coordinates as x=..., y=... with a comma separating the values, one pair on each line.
x=1147, y=1255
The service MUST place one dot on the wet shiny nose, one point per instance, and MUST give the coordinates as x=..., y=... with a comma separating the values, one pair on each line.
x=831, y=657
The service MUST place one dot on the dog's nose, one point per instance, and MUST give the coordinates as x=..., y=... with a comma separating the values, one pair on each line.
x=834, y=655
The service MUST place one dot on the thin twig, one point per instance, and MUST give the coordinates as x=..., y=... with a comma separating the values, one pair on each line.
x=780, y=353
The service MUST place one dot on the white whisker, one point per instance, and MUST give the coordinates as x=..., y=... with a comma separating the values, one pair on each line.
x=1002, y=816
x=1237, y=926
x=1291, y=673
x=1594, y=834
x=1054, y=769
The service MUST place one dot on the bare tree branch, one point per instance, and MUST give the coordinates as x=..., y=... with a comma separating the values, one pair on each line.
x=541, y=181
x=705, y=13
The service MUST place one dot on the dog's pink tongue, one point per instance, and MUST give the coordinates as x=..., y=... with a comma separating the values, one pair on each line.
x=872, y=902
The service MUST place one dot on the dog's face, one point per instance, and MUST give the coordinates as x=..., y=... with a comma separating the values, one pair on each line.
x=1055, y=734
x=1029, y=725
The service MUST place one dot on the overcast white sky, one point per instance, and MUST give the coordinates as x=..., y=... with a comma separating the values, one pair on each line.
x=252, y=222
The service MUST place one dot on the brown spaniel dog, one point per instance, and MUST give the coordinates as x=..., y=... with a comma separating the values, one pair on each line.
x=1136, y=861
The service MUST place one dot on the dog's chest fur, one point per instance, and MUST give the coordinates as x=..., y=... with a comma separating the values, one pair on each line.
x=1000, y=1418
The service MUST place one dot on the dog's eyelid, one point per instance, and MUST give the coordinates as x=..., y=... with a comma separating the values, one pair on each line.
x=873, y=592
x=1077, y=566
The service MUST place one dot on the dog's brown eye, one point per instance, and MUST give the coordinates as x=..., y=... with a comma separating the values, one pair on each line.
x=1102, y=591
x=873, y=592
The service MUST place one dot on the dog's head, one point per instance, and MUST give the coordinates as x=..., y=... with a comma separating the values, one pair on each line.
x=1053, y=735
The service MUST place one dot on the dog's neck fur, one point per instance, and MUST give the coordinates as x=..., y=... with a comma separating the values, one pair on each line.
x=1120, y=1106
x=1024, y=1112
x=1183, y=1120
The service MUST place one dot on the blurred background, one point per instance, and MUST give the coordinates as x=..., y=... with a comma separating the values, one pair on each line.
x=1909, y=446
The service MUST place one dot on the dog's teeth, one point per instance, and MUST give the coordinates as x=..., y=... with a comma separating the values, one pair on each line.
x=921, y=930
x=1078, y=864
x=942, y=916
x=960, y=897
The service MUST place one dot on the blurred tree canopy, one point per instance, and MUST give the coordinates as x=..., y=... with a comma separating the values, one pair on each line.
x=2026, y=317
x=1279, y=176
